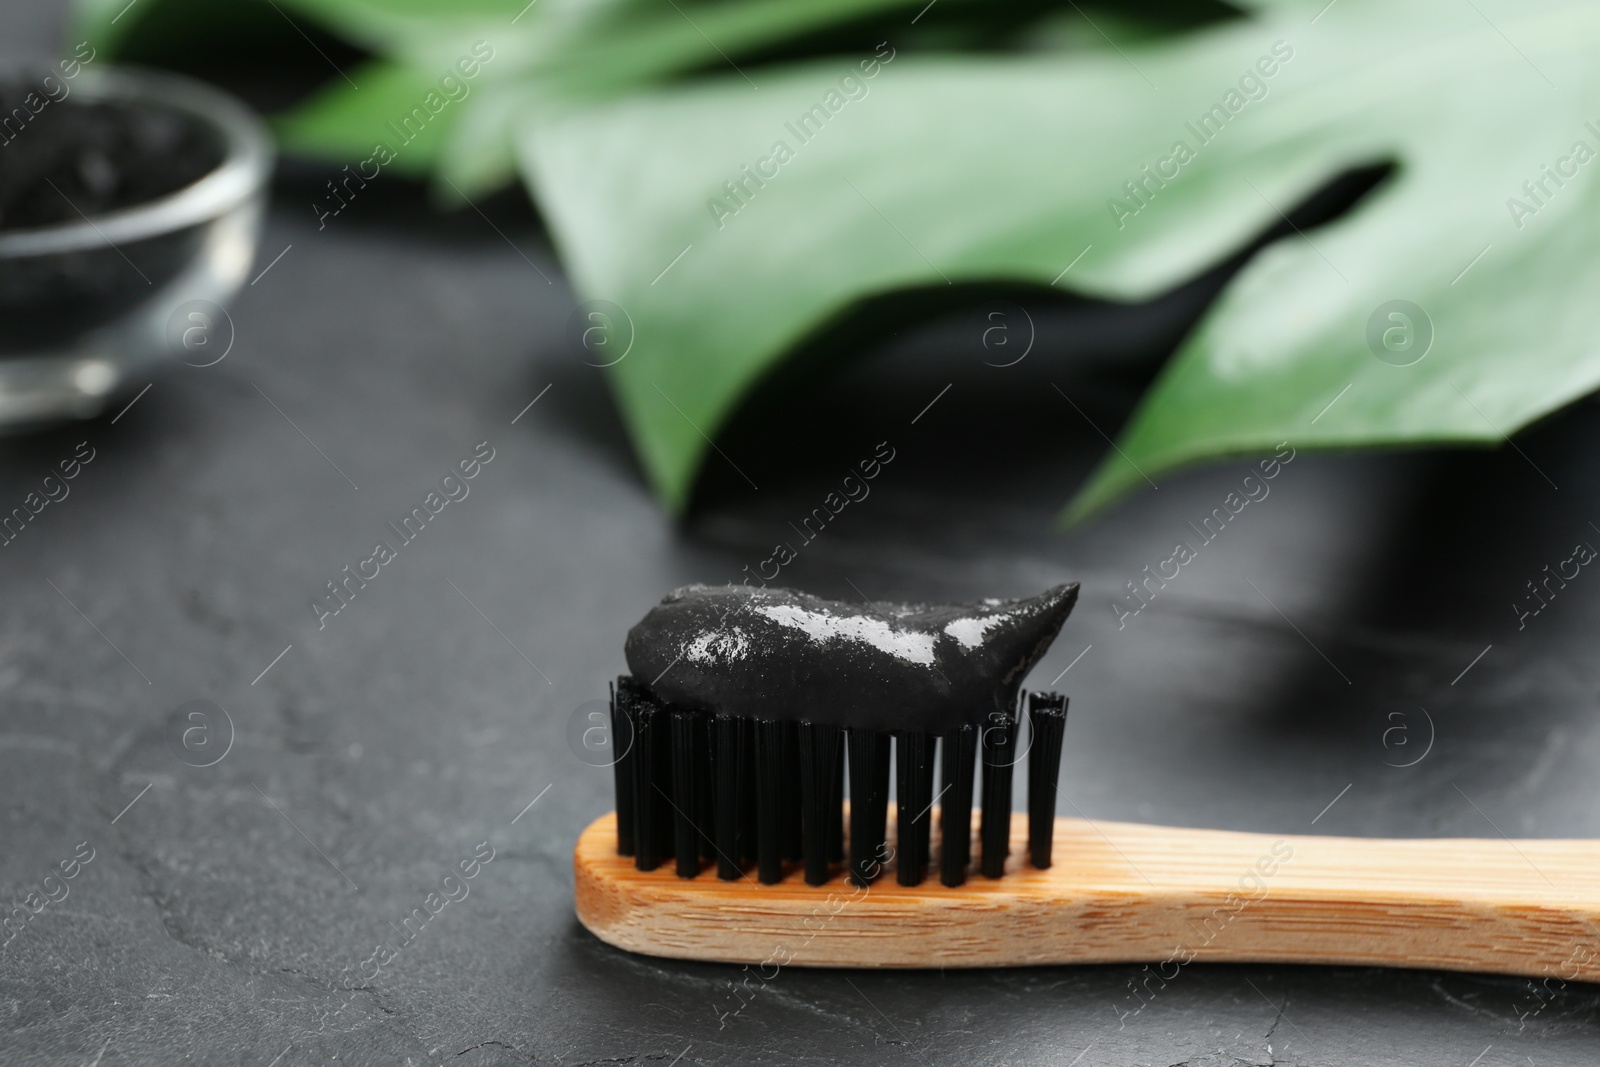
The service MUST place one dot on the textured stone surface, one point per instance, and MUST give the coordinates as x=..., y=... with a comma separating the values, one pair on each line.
x=226, y=910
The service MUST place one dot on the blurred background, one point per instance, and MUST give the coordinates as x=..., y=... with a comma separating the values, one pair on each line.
x=987, y=258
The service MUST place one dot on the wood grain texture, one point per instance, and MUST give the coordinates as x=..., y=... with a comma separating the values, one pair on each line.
x=1120, y=892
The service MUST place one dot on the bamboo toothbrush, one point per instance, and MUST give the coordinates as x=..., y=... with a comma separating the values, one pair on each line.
x=733, y=761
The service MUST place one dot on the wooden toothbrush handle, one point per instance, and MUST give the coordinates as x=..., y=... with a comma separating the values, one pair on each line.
x=1126, y=893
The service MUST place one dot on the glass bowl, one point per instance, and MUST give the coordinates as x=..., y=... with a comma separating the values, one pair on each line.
x=90, y=306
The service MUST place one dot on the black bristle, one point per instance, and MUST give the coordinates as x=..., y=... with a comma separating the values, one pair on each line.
x=997, y=747
x=769, y=802
x=705, y=807
x=661, y=784
x=878, y=832
x=819, y=765
x=732, y=791
x=749, y=801
x=1047, y=717
x=869, y=802
x=792, y=839
x=913, y=802
x=685, y=786
x=836, y=803
x=730, y=772
x=647, y=840
x=622, y=744
x=955, y=805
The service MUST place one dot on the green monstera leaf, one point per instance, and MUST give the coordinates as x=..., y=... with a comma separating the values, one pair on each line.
x=731, y=223
x=1114, y=151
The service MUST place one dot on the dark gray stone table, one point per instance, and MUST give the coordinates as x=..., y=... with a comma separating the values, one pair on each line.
x=226, y=907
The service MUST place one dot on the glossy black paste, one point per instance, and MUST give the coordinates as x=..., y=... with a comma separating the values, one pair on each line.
x=778, y=654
